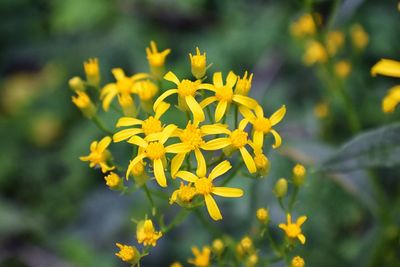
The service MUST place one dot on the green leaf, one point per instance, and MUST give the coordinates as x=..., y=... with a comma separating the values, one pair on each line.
x=375, y=148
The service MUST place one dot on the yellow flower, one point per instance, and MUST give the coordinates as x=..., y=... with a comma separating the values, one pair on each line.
x=139, y=173
x=391, y=100
x=293, y=230
x=321, y=110
x=261, y=161
x=99, y=154
x=184, y=194
x=204, y=186
x=192, y=138
x=154, y=150
x=280, y=188
x=186, y=91
x=76, y=84
x=83, y=102
x=305, y=25
x=198, y=62
x=359, y=37
x=146, y=90
x=299, y=172
x=123, y=88
x=342, y=68
x=113, y=180
x=176, y=264
x=202, y=259
x=252, y=260
x=149, y=126
x=297, y=262
x=334, y=41
x=218, y=246
x=146, y=234
x=224, y=95
x=262, y=215
x=246, y=243
x=156, y=59
x=236, y=140
x=387, y=67
x=243, y=85
x=92, y=71
x=315, y=53
x=262, y=125
x=126, y=253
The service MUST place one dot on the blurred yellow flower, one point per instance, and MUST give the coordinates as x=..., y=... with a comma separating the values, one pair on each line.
x=262, y=215
x=92, y=71
x=293, y=230
x=204, y=186
x=146, y=234
x=198, y=64
x=113, y=180
x=184, y=194
x=334, y=41
x=359, y=37
x=321, y=110
x=218, y=246
x=99, y=154
x=315, y=53
x=246, y=243
x=176, y=264
x=156, y=59
x=126, y=253
x=83, y=102
x=342, y=68
x=146, y=90
x=76, y=84
x=243, y=84
x=387, y=67
x=280, y=188
x=252, y=260
x=297, y=262
x=201, y=259
x=391, y=100
x=303, y=26
x=299, y=172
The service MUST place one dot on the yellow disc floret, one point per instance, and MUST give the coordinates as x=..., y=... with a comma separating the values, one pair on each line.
x=262, y=125
x=224, y=93
x=155, y=150
x=238, y=138
x=151, y=125
x=187, y=87
x=192, y=136
x=203, y=186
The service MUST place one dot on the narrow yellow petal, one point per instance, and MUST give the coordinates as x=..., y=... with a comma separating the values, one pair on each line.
x=195, y=108
x=220, y=110
x=107, y=98
x=118, y=73
x=137, y=140
x=302, y=238
x=259, y=111
x=214, y=129
x=128, y=121
x=212, y=208
x=278, y=115
x=258, y=138
x=207, y=86
x=282, y=226
x=104, y=143
x=301, y=220
x=231, y=79
x=245, y=101
x=133, y=162
x=161, y=109
x=242, y=124
x=159, y=172
x=207, y=101
x=187, y=176
x=247, y=113
x=220, y=169
x=170, y=76
x=278, y=139
x=217, y=79
x=386, y=67
x=176, y=163
x=177, y=148
x=167, y=132
x=125, y=134
x=227, y=191
x=248, y=160
x=216, y=144
x=139, y=76
x=164, y=96
x=201, y=163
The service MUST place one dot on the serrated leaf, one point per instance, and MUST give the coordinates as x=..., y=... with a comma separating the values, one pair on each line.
x=375, y=148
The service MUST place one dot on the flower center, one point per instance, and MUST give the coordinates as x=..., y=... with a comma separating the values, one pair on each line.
x=124, y=86
x=155, y=150
x=261, y=161
x=224, y=93
x=127, y=253
x=203, y=186
x=186, y=193
x=238, y=138
x=262, y=125
x=293, y=230
x=192, y=136
x=151, y=125
x=156, y=59
x=187, y=87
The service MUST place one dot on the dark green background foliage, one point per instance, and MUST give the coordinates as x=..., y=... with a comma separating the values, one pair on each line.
x=55, y=211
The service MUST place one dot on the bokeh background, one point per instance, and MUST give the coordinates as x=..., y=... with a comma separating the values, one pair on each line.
x=55, y=211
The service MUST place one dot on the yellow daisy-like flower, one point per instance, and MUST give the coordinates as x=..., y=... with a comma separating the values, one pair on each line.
x=293, y=230
x=184, y=194
x=92, y=71
x=149, y=126
x=192, y=138
x=146, y=234
x=243, y=85
x=204, y=186
x=224, y=95
x=99, y=154
x=126, y=253
x=199, y=64
x=186, y=91
x=156, y=59
x=236, y=140
x=153, y=149
x=123, y=88
x=262, y=125
x=202, y=259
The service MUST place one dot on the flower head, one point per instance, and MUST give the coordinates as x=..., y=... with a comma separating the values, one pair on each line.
x=321, y=110
x=359, y=37
x=315, y=53
x=297, y=262
x=305, y=25
x=146, y=234
x=92, y=71
x=199, y=64
x=262, y=215
x=299, y=172
x=83, y=102
x=76, y=84
x=293, y=230
x=218, y=246
x=334, y=41
x=243, y=84
x=156, y=59
x=342, y=68
x=99, y=154
x=201, y=259
x=126, y=253
x=183, y=195
x=113, y=181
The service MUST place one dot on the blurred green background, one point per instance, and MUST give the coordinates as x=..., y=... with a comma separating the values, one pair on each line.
x=55, y=211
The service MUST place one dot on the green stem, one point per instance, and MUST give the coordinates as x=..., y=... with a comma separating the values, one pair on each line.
x=293, y=198
x=273, y=244
x=206, y=223
x=183, y=213
x=150, y=198
x=100, y=125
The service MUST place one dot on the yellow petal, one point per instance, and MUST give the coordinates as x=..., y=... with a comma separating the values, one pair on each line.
x=216, y=144
x=387, y=67
x=207, y=101
x=302, y=238
x=220, y=169
x=207, y=86
x=212, y=207
x=177, y=148
x=248, y=160
x=104, y=143
x=195, y=108
x=278, y=139
x=128, y=121
x=214, y=129
x=176, y=163
x=167, y=132
x=278, y=115
x=242, y=124
x=217, y=79
x=231, y=79
x=159, y=172
x=133, y=162
x=118, y=73
x=282, y=226
x=246, y=113
x=164, y=96
x=289, y=218
x=125, y=134
x=220, y=110
x=245, y=101
x=301, y=220
x=170, y=76
x=259, y=111
x=187, y=176
x=161, y=109
x=227, y=191
x=258, y=139
x=109, y=96
x=137, y=140
x=201, y=163
x=139, y=76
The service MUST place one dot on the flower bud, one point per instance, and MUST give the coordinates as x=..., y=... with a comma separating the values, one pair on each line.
x=299, y=173
x=76, y=84
x=281, y=187
x=252, y=260
x=262, y=215
x=92, y=71
x=218, y=246
x=113, y=181
x=198, y=62
x=297, y=262
x=83, y=102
